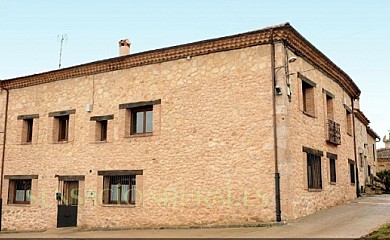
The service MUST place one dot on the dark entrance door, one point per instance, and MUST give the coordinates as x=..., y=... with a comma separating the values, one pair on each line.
x=67, y=203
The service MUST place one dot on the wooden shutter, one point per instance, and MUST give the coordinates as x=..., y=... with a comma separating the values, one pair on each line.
x=106, y=189
x=11, y=191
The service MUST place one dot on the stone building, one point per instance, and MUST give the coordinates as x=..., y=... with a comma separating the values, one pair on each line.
x=227, y=131
x=366, y=139
x=384, y=154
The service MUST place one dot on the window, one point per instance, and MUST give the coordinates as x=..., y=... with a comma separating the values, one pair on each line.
x=70, y=192
x=349, y=122
x=369, y=170
x=352, y=171
x=62, y=125
x=28, y=125
x=308, y=97
x=19, y=191
x=329, y=107
x=119, y=189
x=332, y=165
x=63, y=128
x=101, y=127
x=314, y=178
x=102, y=130
x=141, y=120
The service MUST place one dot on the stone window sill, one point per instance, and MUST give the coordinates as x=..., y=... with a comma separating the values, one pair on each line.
x=308, y=114
x=140, y=135
x=99, y=142
x=19, y=204
x=61, y=142
x=314, y=190
x=119, y=205
x=332, y=183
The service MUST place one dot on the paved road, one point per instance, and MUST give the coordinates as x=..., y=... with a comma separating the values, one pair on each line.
x=351, y=220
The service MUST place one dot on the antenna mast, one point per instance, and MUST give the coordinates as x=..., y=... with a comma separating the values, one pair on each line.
x=63, y=37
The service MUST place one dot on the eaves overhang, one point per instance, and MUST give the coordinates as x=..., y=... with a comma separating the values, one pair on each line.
x=283, y=32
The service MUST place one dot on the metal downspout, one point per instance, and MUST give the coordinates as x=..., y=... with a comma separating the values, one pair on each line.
x=3, y=153
x=277, y=175
x=354, y=148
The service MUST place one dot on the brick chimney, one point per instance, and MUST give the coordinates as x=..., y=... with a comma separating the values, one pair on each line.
x=124, y=47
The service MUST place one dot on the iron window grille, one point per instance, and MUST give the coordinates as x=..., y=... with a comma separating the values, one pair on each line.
x=19, y=191
x=119, y=189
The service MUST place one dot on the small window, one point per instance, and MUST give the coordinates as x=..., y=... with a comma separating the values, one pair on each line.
x=28, y=130
x=27, y=127
x=349, y=122
x=101, y=127
x=63, y=128
x=352, y=171
x=332, y=165
x=329, y=107
x=368, y=170
x=141, y=120
x=19, y=191
x=308, y=98
x=314, y=178
x=119, y=189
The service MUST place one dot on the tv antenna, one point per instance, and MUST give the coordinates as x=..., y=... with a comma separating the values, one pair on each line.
x=61, y=38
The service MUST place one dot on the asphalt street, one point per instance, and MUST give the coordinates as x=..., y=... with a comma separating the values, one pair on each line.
x=350, y=220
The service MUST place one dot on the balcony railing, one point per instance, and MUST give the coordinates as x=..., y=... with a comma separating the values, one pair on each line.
x=334, y=132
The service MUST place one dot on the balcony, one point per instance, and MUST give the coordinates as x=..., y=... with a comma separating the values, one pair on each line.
x=333, y=132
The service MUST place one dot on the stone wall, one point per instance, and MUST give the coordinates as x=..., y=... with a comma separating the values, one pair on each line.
x=210, y=159
x=208, y=162
x=300, y=129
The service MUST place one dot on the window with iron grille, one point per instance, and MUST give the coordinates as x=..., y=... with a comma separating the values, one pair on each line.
x=119, y=189
x=314, y=178
x=19, y=191
x=141, y=120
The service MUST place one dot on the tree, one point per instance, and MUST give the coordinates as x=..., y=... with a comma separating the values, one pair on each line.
x=384, y=177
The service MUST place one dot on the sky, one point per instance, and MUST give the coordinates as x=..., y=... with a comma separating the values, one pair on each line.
x=354, y=34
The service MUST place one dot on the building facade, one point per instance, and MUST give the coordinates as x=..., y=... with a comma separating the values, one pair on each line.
x=366, y=139
x=384, y=154
x=225, y=131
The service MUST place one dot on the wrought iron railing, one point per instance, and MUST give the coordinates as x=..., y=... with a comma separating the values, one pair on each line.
x=334, y=135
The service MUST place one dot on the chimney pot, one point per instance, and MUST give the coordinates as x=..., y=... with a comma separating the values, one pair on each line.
x=124, y=47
